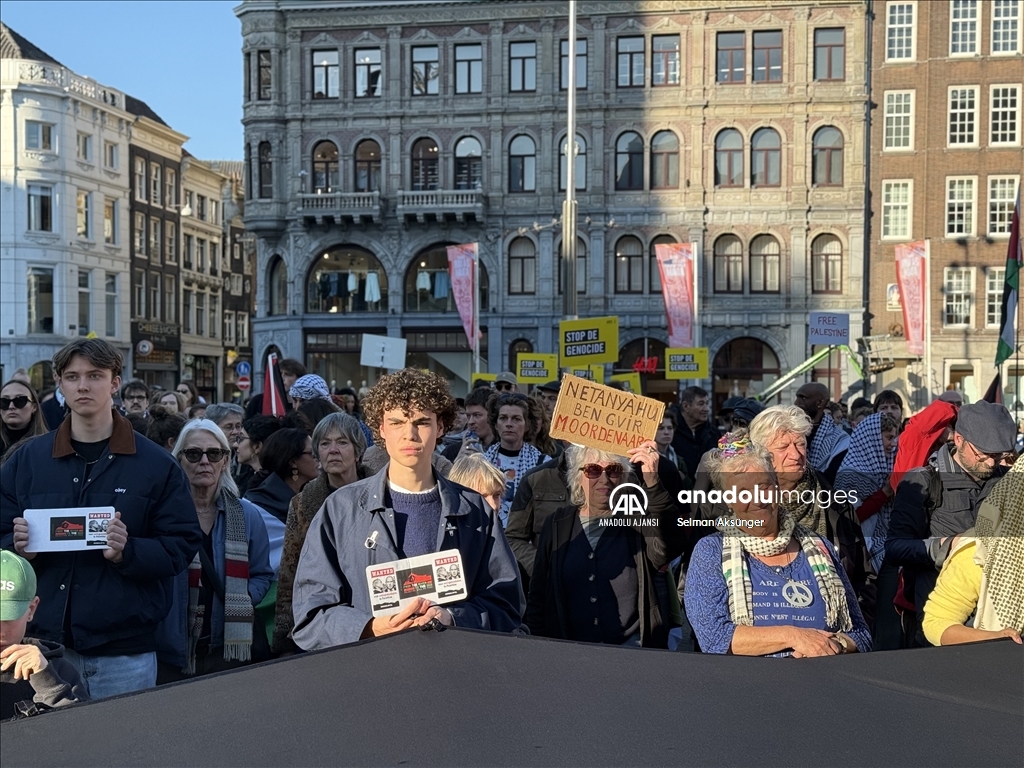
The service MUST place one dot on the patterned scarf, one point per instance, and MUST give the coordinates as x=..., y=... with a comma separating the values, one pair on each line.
x=737, y=575
x=1000, y=533
x=827, y=442
x=238, y=610
x=528, y=458
x=804, y=509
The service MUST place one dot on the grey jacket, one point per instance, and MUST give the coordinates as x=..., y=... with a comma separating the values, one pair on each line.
x=56, y=686
x=331, y=600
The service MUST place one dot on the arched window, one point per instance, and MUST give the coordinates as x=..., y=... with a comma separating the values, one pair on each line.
x=515, y=349
x=266, y=171
x=629, y=162
x=325, y=167
x=522, y=165
x=655, y=272
x=728, y=266
x=469, y=173
x=522, y=266
x=828, y=157
x=729, y=158
x=629, y=265
x=424, y=165
x=826, y=264
x=764, y=264
x=427, y=285
x=278, y=288
x=368, y=166
x=580, y=168
x=347, y=279
x=581, y=267
x=765, y=158
x=665, y=161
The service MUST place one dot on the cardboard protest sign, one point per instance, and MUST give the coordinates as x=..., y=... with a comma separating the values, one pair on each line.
x=533, y=368
x=604, y=418
x=589, y=341
x=686, y=363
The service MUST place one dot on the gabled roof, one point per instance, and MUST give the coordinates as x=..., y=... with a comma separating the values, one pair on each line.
x=139, y=108
x=14, y=46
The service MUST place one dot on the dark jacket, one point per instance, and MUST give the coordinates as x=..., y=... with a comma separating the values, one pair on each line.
x=541, y=492
x=104, y=602
x=273, y=494
x=690, y=445
x=53, y=413
x=56, y=686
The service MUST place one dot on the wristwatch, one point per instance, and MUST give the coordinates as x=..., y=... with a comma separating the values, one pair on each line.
x=844, y=643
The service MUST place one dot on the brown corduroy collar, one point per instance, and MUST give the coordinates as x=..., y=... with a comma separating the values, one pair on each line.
x=122, y=440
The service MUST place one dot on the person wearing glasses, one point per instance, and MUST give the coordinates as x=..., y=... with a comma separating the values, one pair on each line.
x=210, y=625
x=513, y=453
x=506, y=382
x=287, y=463
x=135, y=397
x=20, y=416
x=188, y=390
x=103, y=606
x=934, y=505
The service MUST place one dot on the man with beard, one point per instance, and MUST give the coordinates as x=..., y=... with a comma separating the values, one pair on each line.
x=828, y=442
x=933, y=505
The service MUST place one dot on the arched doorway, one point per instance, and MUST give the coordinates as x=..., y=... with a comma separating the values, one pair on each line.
x=428, y=287
x=646, y=356
x=743, y=367
x=346, y=279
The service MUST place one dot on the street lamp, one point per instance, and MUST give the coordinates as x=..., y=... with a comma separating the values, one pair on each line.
x=569, y=206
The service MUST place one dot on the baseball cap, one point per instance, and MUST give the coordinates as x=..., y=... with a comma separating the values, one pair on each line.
x=730, y=403
x=551, y=386
x=506, y=377
x=17, y=586
x=747, y=409
x=987, y=426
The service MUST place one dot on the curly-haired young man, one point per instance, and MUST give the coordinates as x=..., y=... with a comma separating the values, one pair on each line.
x=403, y=511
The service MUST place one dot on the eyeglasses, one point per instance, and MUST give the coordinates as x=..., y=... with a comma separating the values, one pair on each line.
x=594, y=471
x=503, y=386
x=141, y=398
x=19, y=402
x=183, y=392
x=195, y=455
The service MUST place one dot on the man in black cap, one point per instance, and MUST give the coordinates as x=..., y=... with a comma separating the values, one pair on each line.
x=933, y=505
x=548, y=394
x=724, y=415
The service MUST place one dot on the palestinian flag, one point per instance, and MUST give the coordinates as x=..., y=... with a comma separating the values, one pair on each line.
x=1011, y=290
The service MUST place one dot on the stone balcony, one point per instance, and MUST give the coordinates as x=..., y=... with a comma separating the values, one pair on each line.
x=461, y=205
x=341, y=208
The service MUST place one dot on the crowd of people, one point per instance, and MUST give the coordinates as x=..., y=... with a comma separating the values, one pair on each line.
x=798, y=530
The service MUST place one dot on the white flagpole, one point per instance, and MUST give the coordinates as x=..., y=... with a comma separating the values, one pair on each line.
x=476, y=310
x=927, y=321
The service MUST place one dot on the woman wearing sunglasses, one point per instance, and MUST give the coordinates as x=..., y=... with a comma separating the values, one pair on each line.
x=20, y=416
x=210, y=625
x=594, y=583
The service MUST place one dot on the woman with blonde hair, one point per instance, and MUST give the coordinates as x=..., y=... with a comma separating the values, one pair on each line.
x=478, y=474
x=20, y=414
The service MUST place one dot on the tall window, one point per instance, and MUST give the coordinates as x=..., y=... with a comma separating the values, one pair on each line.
x=424, y=165
x=266, y=75
x=200, y=313
x=963, y=103
x=522, y=165
x=469, y=68
x=368, y=166
x=266, y=171
x=1004, y=115
x=170, y=299
x=243, y=329
x=155, y=294
x=581, y=268
x=84, y=302
x=140, y=293
x=664, y=160
x=1006, y=26
x=896, y=218
x=768, y=57
x=579, y=169
x=728, y=266
x=630, y=62
x=200, y=254
x=765, y=158
x=367, y=72
x=899, y=32
x=425, y=70
x=468, y=164
x=40, y=208
x=830, y=54
x=214, y=315
x=110, y=304
x=83, y=147
x=247, y=75
x=325, y=75
x=170, y=242
x=83, y=226
x=214, y=257
x=40, y=300
x=729, y=158
x=188, y=311
x=963, y=27
x=581, y=64
x=155, y=237
x=731, y=57
x=522, y=67
x=826, y=264
x=38, y=136
x=189, y=251
x=110, y=155
x=629, y=162
x=139, y=235
x=140, y=179
x=629, y=265
x=155, y=184
x=765, y=262
x=828, y=157
x=995, y=283
x=109, y=221
x=1002, y=193
x=959, y=206
x=958, y=289
x=899, y=119
x=665, y=60
x=170, y=188
x=522, y=266
x=325, y=167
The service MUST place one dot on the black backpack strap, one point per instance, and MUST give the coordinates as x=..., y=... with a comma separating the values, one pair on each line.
x=210, y=573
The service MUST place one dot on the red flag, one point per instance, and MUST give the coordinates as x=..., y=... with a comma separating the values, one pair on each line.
x=273, y=388
x=910, y=275
x=461, y=259
x=675, y=263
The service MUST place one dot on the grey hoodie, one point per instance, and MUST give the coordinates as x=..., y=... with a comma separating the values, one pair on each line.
x=56, y=686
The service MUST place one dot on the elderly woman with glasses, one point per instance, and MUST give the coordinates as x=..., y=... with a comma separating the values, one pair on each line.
x=765, y=585
x=210, y=625
x=596, y=583
x=513, y=452
x=20, y=415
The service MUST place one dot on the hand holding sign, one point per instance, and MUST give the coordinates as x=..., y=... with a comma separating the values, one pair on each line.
x=646, y=455
x=21, y=538
x=117, y=537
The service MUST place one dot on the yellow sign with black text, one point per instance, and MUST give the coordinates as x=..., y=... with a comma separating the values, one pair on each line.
x=533, y=368
x=589, y=341
x=593, y=373
x=631, y=381
x=686, y=363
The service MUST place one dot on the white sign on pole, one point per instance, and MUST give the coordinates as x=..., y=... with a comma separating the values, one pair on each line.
x=828, y=328
x=383, y=352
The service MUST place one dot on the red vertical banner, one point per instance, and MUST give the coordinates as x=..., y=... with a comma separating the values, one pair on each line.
x=461, y=260
x=675, y=263
x=911, y=273
x=273, y=388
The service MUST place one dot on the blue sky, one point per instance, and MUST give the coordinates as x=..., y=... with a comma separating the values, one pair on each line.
x=182, y=58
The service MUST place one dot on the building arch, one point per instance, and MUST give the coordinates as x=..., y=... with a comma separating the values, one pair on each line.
x=344, y=279
x=743, y=364
x=277, y=286
x=426, y=286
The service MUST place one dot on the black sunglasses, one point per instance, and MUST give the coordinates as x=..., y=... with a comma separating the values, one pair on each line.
x=195, y=455
x=503, y=386
x=594, y=471
x=20, y=401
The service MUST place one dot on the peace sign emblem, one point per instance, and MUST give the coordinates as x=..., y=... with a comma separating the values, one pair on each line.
x=798, y=595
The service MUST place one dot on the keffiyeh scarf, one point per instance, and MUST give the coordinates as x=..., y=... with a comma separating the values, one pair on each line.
x=1000, y=533
x=528, y=458
x=865, y=469
x=803, y=505
x=827, y=442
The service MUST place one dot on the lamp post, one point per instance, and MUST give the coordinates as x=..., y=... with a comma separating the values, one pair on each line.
x=569, y=206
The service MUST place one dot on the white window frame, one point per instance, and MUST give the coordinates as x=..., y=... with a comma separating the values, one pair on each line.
x=156, y=295
x=35, y=132
x=170, y=242
x=110, y=305
x=909, y=205
x=229, y=328
x=913, y=30
x=35, y=193
x=911, y=117
x=965, y=21
x=973, y=112
x=141, y=180
x=111, y=155
x=84, y=293
x=947, y=272
x=188, y=311
x=139, y=241
x=1008, y=202
x=201, y=319
x=170, y=299
x=973, y=225
x=141, y=293
x=83, y=146
x=1017, y=118
x=1019, y=5
x=170, y=188
x=83, y=214
x=243, y=329
x=213, y=327
x=111, y=204
x=156, y=184
x=995, y=279
x=156, y=236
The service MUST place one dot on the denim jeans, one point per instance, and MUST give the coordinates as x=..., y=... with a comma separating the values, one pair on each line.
x=113, y=675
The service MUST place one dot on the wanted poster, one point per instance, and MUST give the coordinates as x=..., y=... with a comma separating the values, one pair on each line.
x=67, y=529
x=436, y=576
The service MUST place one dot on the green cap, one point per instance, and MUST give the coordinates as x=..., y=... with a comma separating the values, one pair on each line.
x=17, y=586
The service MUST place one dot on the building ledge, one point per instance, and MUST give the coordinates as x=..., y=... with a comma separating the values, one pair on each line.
x=461, y=205
x=342, y=208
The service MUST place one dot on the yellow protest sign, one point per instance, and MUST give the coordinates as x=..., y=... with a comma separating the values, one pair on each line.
x=589, y=341
x=631, y=381
x=484, y=376
x=686, y=363
x=532, y=368
x=590, y=372
x=604, y=418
